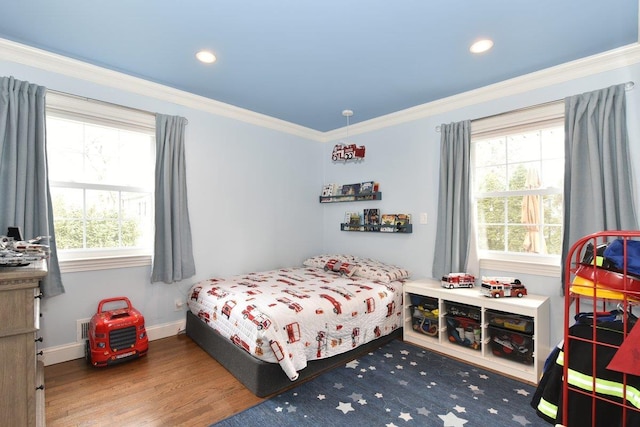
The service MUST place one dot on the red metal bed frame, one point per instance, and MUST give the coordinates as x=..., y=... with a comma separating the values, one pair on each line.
x=589, y=298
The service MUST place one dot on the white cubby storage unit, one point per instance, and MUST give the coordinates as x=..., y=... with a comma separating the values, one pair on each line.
x=525, y=363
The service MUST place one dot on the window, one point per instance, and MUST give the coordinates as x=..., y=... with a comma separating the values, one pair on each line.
x=518, y=177
x=101, y=160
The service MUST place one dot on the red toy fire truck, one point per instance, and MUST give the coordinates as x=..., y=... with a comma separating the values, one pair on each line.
x=116, y=335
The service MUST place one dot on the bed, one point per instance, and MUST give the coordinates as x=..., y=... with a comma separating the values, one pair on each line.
x=275, y=329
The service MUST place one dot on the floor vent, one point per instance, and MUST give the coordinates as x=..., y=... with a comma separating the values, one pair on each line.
x=82, y=330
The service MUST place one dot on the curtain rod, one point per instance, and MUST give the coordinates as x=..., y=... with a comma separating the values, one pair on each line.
x=627, y=87
x=85, y=98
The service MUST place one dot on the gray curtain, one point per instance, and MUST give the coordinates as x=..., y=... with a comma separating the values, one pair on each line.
x=454, y=204
x=173, y=253
x=598, y=193
x=25, y=200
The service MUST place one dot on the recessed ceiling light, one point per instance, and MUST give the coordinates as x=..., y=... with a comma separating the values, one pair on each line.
x=481, y=46
x=206, y=57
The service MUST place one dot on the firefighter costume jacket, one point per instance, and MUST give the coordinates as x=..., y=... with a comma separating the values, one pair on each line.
x=609, y=387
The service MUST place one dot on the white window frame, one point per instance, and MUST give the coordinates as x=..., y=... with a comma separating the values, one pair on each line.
x=72, y=107
x=526, y=119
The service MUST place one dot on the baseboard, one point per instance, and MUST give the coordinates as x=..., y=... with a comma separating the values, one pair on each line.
x=64, y=353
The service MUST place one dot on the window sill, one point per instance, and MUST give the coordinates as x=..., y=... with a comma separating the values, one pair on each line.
x=107, y=263
x=524, y=267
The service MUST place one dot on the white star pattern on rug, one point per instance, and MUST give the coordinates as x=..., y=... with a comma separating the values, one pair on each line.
x=353, y=364
x=492, y=411
x=522, y=392
x=344, y=407
x=355, y=396
x=321, y=397
x=521, y=420
x=459, y=409
x=405, y=416
x=451, y=420
x=424, y=411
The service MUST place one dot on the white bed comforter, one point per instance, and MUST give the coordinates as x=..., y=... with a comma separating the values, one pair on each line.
x=293, y=315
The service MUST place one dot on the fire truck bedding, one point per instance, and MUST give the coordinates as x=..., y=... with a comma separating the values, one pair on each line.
x=295, y=315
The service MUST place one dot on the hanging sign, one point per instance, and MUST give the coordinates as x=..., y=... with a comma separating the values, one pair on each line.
x=346, y=152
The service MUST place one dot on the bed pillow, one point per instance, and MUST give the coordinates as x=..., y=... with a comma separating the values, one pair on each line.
x=319, y=261
x=376, y=270
x=364, y=267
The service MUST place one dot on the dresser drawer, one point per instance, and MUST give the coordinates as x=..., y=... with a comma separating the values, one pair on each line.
x=17, y=310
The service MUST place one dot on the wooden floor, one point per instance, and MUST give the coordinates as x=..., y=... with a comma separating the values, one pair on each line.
x=175, y=384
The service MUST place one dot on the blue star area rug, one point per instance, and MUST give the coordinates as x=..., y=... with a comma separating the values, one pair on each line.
x=399, y=385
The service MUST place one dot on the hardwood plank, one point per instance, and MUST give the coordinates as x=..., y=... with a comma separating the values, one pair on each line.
x=175, y=384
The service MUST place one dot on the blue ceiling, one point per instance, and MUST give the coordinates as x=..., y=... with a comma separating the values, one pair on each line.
x=306, y=61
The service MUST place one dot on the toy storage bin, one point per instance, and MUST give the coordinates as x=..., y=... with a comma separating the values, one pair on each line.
x=511, y=345
x=424, y=314
x=509, y=321
x=463, y=310
x=464, y=331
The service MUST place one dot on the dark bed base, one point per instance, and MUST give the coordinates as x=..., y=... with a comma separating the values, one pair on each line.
x=262, y=378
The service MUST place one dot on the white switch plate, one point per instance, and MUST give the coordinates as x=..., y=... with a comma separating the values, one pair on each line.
x=423, y=218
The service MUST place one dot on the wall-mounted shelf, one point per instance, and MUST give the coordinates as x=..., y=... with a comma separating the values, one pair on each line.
x=351, y=197
x=407, y=228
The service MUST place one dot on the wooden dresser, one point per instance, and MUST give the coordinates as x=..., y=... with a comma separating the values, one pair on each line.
x=21, y=373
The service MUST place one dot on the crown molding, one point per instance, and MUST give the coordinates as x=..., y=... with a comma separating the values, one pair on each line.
x=38, y=58
x=584, y=67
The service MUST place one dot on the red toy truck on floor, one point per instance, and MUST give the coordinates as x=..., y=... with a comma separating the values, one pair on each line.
x=116, y=335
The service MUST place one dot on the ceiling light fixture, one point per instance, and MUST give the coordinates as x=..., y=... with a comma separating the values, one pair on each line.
x=206, y=57
x=347, y=114
x=481, y=46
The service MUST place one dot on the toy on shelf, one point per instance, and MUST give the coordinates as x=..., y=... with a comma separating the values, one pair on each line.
x=458, y=280
x=498, y=287
x=425, y=320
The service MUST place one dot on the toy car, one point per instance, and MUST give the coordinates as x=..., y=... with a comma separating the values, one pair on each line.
x=458, y=280
x=498, y=287
x=115, y=335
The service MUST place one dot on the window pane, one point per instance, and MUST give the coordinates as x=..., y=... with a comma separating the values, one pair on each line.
x=491, y=152
x=491, y=210
x=553, y=239
x=491, y=238
x=490, y=179
x=65, y=156
x=68, y=217
x=137, y=225
x=517, y=238
x=523, y=176
x=523, y=147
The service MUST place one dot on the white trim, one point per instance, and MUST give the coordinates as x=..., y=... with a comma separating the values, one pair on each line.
x=521, y=267
x=90, y=110
x=595, y=64
x=64, y=353
x=92, y=264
